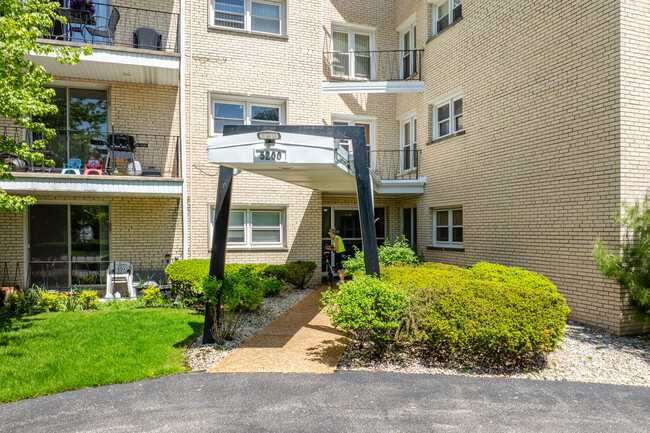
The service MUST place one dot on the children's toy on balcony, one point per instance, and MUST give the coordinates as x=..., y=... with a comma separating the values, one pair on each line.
x=93, y=166
x=72, y=167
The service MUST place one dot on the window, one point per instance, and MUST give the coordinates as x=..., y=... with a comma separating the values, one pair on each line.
x=252, y=228
x=264, y=16
x=348, y=225
x=351, y=53
x=369, y=128
x=448, y=228
x=447, y=115
x=408, y=142
x=254, y=112
x=407, y=43
x=446, y=13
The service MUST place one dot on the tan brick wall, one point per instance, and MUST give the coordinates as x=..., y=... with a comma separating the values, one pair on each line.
x=537, y=172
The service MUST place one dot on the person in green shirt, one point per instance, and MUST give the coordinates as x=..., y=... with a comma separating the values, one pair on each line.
x=339, y=248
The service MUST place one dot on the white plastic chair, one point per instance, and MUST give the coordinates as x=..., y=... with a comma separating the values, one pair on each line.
x=120, y=272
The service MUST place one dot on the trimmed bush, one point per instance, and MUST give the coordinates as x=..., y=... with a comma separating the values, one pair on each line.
x=396, y=254
x=299, y=273
x=152, y=295
x=512, y=276
x=368, y=308
x=183, y=275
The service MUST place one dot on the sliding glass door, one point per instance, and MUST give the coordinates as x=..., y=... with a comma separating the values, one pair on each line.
x=68, y=245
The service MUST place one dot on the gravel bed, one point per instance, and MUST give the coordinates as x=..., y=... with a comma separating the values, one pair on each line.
x=585, y=355
x=202, y=357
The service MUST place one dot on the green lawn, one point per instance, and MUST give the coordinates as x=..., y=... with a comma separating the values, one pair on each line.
x=53, y=352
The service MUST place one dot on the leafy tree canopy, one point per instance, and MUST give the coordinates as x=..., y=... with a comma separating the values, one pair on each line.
x=24, y=100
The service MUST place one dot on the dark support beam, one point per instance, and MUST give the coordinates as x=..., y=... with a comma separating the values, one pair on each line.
x=219, y=241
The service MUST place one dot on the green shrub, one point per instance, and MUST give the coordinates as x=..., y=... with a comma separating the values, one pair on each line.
x=152, y=295
x=457, y=315
x=512, y=276
x=299, y=273
x=49, y=301
x=367, y=308
x=16, y=303
x=397, y=253
x=278, y=272
x=88, y=299
x=629, y=263
x=184, y=275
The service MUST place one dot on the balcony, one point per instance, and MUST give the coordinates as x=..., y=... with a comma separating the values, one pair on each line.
x=393, y=71
x=129, y=44
x=131, y=163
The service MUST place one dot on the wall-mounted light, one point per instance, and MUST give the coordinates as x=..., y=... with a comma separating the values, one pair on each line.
x=269, y=137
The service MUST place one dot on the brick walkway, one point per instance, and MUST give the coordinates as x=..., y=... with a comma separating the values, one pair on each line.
x=300, y=341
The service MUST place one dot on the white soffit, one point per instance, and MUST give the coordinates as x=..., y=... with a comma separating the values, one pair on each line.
x=374, y=87
x=109, y=65
x=48, y=183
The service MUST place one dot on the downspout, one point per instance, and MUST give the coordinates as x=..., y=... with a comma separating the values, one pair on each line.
x=183, y=132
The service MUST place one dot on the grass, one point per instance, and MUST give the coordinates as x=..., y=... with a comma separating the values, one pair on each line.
x=52, y=352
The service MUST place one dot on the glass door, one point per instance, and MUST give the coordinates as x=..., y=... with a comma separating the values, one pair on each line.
x=48, y=245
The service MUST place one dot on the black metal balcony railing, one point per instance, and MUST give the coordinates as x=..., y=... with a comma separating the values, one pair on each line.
x=395, y=164
x=391, y=65
x=118, y=25
x=63, y=274
x=158, y=155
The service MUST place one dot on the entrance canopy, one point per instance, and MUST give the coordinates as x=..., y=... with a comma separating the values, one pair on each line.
x=310, y=161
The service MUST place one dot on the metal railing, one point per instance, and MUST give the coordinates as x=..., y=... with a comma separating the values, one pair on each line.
x=395, y=164
x=388, y=65
x=63, y=274
x=119, y=25
x=157, y=154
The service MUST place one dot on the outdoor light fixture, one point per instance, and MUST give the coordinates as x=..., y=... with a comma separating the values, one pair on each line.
x=269, y=136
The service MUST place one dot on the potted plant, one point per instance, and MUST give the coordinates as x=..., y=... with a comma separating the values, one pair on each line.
x=83, y=5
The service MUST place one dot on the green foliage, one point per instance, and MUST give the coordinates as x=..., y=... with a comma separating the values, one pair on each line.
x=88, y=299
x=368, y=308
x=152, y=295
x=49, y=301
x=23, y=96
x=299, y=273
x=629, y=263
x=488, y=314
x=17, y=304
x=239, y=296
x=512, y=276
x=184, y=275
x=397, y=253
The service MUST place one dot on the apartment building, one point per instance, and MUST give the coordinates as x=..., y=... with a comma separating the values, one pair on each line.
x=495, y=132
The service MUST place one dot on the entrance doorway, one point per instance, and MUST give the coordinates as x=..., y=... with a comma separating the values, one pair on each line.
x=68, y=245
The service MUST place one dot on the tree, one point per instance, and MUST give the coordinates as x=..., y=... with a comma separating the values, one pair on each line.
x=630, y=262
x=24, y=100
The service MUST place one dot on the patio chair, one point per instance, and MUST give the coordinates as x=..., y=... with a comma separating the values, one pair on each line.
x=93, y=166
x=148, y=39
x=120, y=272
x=107, y=32
x=72, y=167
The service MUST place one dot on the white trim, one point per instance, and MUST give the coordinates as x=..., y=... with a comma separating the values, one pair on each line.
x=248, y=18
x=248, y=227
x=94, y=185
x=352, y=30
x=450, y=226
x=440, y=102
x=407, y=116
x=442, y=99
x=411, y=120
x=404, y=26
x=351, y=120
x=247, y=102
x=336, y=25
x=374, y=87
x=183, y=115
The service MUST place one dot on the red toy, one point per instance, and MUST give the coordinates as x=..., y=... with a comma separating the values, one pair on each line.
x=93, y=166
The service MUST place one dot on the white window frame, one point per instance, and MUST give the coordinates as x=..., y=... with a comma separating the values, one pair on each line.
x=435, y=5
x=355, y=120
x=450, y=226
x=408, y=26
x=410, y=119
x=449, y=100
x=248, y=17
x=352, y=30
x=249, y=228
x=248, y=103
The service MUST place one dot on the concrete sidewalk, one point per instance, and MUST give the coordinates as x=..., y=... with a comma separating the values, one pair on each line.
x=300, y=341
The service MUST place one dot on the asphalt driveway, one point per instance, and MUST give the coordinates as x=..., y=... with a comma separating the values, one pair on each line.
x=344, y=401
